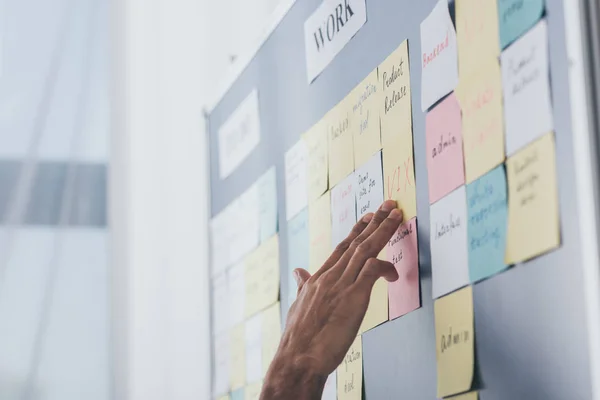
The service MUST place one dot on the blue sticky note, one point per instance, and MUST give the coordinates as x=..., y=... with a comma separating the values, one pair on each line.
x=298, y=249
x=237, y=395
x=488, y=217
x=267, y=197
x=516, y=17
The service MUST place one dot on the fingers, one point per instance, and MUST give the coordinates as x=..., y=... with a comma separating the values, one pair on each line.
x=345, y=244
x=301, y=275
x=372, y=245
x=375, y=269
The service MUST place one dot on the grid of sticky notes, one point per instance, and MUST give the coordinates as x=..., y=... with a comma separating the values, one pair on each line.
x=491, y=160
x=246, y=312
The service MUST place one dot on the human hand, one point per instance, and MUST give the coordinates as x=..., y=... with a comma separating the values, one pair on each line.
x=331, y=304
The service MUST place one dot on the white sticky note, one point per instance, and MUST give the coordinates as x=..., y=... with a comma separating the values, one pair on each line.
x=254, y=348
x=236, y=289
x=526, y=87
x=330, y=389
x=221, y=371
x=328, y=30
x=369, y=186
x=267, y=203
x=296, y=184
x=439, y=55
x=220, y=303
x=449, y=251
x=219, y=242
x=244, y=225
x=343, y=209
x=239, y=135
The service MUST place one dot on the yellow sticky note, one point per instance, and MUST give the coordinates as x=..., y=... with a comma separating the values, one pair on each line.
x=262, y=276
x=364, y=100
x=395, y=112
x=454, y=334
x=533, y=220
x=271, y=334
x=340, y=132
x=466, y=396
x=377, y=312
x=237, y=349
x=224, y=397
x=476, y=33
x=319, y=229
x=480, y=97
x=316, y=145
x=349, y=373
x=252, y=392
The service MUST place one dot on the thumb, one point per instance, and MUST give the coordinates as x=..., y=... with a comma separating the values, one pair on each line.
x=301, y=275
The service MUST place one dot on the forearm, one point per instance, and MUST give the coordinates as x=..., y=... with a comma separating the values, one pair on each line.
x=289, y=379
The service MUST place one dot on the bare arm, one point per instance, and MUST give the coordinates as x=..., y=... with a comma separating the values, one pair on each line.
x=330, y=307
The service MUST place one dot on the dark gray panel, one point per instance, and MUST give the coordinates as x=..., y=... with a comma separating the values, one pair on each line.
x=89, y=203
x=531, y=338
x=47, y=193
x=9, y=171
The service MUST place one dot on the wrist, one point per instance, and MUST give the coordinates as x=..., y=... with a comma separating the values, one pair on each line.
x=293, y=377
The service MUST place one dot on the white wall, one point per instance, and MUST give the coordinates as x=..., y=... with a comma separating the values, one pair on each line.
x=169, y=56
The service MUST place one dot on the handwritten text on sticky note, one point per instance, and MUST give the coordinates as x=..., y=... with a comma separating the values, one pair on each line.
x=343, y=209
x=516, y=17
x=316, y=145
x=340, y=136
x=365, y=114
x=369, y=186
x=349, y=373
x=262, y=276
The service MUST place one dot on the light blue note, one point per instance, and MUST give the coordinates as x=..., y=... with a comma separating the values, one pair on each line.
x=298, y=247
x=237, y=395
x=267, y=197
x=516, y=17
x=488, y=217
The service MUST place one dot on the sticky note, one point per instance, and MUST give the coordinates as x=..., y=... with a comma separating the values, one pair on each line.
x=262, y=276
x=487, y=211
x=402, y=250
x=525, y=78
x=330, y=389
x=455, y=338
x=243, y=225
x=237, y=349
x=238, y=394
x=224, y=397
x=222, y=358
x=219, y=242
x=533, y=214
x=267, y=204
x=220, y=303
x=349, y=373
x=319, y=227
x=477, y=34
x=449, y=254
x=253, y=342
x=298, y=250
x=516, y=17
x=439, y=55
x=445, y=167
x=364, y=100
x=466, y=396
x=340, y=139
x=296, y=184
x=252, y=392
x=271, y=334
x=377, y=311
x=316, y=145
x=480, y=97
x=236, y=292
x=369, y=186
x=343, y=209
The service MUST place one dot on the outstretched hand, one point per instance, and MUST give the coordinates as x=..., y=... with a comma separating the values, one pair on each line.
x=325, y=318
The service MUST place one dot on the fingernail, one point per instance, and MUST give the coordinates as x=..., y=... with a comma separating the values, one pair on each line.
x=396, y=214
x=367, y=218
x=388, y=205
x=297, y=278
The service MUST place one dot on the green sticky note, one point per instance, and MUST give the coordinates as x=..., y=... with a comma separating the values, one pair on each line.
x=516, y=17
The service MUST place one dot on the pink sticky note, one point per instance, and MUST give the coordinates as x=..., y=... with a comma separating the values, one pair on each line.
x=402, y=251
x=445, y=166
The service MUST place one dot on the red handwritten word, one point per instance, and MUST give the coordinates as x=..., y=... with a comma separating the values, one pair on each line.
x=483, y=133
x=482, y=99
x=397, y=183
x=428, y=58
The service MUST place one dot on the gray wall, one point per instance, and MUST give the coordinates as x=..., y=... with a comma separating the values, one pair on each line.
x=530, y=327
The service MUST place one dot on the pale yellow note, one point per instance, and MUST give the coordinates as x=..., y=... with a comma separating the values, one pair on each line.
x=252, y=392
x=480, y=97
x=319, y=228
x=349, y=373
x=271, y=334
x=237, y=348
x=465, y=396
x=262, y=276
x=377, y=312
x=340, y=132
x=364, y=100
x=454, y=334
x=318, y=156
x=224, y=397
x=533, y=220
x=395, y=112
x=477, y=34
